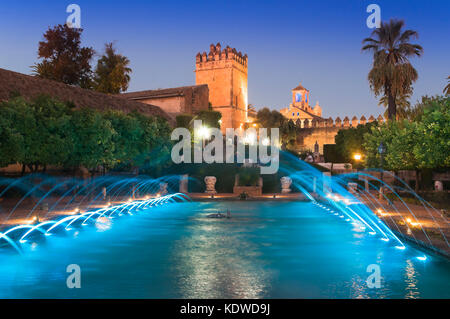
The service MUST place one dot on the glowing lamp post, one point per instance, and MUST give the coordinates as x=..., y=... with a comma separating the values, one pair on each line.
x=357, y=158
x=203, y=132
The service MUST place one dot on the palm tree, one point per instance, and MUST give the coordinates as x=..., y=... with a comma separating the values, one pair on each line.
x=447, y=88
x=392, y=74
x=401, y=102
x=112, y=72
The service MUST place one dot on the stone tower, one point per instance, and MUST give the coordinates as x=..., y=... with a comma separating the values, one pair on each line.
x=300, y=109
x=300, y=97
x=225, y=73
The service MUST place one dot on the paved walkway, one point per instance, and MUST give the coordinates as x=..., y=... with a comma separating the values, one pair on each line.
x=427, y=225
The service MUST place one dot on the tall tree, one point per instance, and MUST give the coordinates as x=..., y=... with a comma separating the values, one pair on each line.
x=392, y=74
x=63, y=57
x=401, y=102
x=128, y=140
x=92, y=139
x=433, y=147
x=112, y=71
x=350, y=141
x=447, y=87
x=11, y=141
x=420, y=142
x=268, y=119
x=273, y=119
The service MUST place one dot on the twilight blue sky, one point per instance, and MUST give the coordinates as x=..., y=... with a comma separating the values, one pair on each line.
x=315, y=42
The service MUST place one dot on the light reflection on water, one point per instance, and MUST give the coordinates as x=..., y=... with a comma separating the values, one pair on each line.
x=266, y=250
x=215, y=260
x=412, y=290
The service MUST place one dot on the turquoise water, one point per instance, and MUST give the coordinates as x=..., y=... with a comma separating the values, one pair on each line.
x=267, y=250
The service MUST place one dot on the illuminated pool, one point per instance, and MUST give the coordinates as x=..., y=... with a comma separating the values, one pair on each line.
x=266, y=250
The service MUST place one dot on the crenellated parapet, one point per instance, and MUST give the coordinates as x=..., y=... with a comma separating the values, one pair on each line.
x=225, y=72
x=216, y=53
x=338, y=122
x=320, y=131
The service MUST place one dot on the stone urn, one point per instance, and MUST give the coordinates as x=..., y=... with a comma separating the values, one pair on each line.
x=286, y=182
x=210, y=182
x=162, y=189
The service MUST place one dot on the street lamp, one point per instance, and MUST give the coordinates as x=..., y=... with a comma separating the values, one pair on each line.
x=357, y=157
x=204, y=133
x=381, y=151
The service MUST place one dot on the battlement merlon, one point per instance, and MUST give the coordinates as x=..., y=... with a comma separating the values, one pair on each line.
x=217, y=54
x=345, y=123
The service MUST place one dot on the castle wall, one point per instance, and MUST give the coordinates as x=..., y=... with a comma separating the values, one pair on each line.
x=225, y=73
x=239, y=86
x=186, y=99
x=171, y=105
x=227, y=116
x=219, y=77
x=324, y=131
x=240, y=90
x=323, y=135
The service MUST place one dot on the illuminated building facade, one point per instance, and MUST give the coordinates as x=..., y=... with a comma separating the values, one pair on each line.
x=225, y=73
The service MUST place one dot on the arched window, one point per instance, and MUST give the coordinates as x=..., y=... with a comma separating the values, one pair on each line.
x=298, y=97
x=298, y=113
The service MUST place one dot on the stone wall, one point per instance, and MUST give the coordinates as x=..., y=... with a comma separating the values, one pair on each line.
x=172, y=104
x=186, y=99
x=323, y=135
x=225, y=73
x=324, y=130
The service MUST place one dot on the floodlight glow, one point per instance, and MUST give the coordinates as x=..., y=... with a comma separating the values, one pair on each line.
x=422, y=258
x=411, y=222
x=203, y=132
x=250, y=138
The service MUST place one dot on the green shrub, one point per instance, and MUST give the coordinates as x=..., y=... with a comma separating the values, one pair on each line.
x=184, y=120
x=248, y=176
